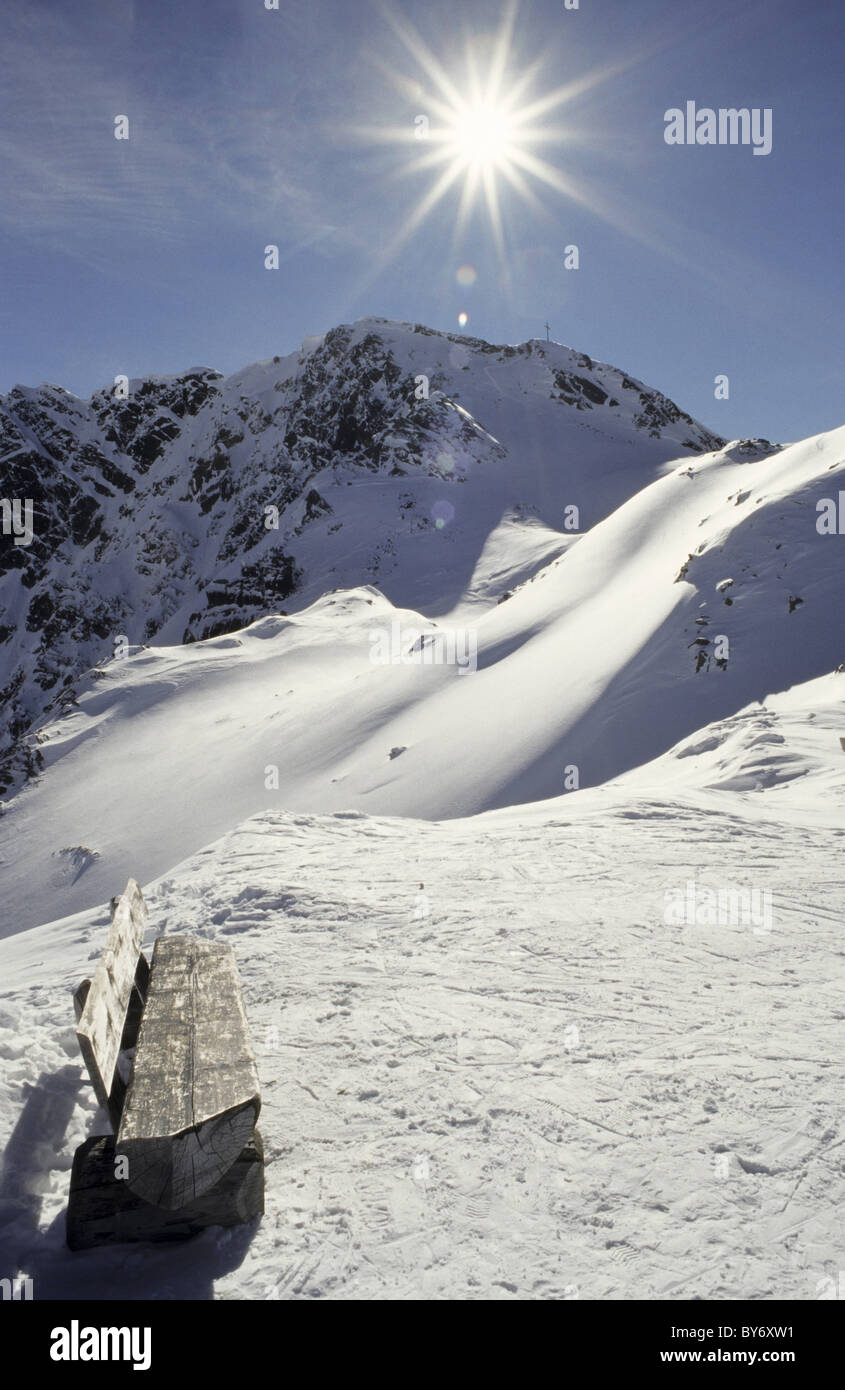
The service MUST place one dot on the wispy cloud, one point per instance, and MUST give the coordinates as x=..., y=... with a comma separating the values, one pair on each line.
x=73, y=188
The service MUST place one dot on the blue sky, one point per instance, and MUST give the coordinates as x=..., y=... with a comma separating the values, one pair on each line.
x=294, y=127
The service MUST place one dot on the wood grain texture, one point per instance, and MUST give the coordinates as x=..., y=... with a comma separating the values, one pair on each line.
x=103, y=1210
x=193, y=1098
x=100, y=1025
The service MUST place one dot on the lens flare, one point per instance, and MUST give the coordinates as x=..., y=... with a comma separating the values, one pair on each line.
x=463, y=319
x=466, y=275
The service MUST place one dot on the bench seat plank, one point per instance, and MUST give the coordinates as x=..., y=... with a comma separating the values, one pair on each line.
x=193, y=1098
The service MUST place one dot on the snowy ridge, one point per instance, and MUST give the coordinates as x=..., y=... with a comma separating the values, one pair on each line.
x=566, y=675
x=150, y=509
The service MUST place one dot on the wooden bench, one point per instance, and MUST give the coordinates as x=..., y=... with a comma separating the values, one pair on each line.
x=185, y=1153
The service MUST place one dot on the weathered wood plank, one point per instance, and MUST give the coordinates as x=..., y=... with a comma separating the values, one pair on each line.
x=137, y=1000
x=80, y=995
x=194, y=1098
x=100, y=1025
x=103, y=1209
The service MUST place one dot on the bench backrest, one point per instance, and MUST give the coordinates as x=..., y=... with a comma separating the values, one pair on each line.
x=101, y=1024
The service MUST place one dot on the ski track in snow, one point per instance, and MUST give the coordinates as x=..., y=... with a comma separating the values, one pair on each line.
x=513, y=1082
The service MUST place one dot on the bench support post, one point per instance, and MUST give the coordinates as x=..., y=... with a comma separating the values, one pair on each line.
x=103, y=1210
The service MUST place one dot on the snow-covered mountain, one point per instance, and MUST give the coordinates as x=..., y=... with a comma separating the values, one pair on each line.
x=704, y=593
x=438, y=468
x=522, y=833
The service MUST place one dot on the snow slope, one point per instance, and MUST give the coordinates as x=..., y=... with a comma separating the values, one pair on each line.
x=489, y=1067
x=788, y=744
x=601, y=662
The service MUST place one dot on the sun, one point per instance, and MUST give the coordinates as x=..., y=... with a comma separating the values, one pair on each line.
x=483, y=136
x=478, y=127
x=477, y=123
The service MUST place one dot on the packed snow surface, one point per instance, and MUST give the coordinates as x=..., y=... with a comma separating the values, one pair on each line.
x=489, y=1068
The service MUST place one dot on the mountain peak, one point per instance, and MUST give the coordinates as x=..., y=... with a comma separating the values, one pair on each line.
x=177, y=507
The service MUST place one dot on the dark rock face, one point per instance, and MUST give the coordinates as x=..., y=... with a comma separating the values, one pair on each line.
x=125, y=492
x=180, y=508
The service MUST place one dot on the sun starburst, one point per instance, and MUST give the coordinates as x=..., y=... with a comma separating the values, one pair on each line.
x=482, y=120
x=478, y=127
